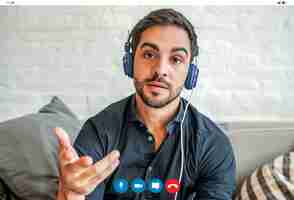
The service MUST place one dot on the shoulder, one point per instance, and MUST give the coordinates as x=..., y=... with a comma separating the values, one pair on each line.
x=215, y=152
x=207, y=129
x=201, y=126
x=114, y=113
x=100, y=132
x=211, y=139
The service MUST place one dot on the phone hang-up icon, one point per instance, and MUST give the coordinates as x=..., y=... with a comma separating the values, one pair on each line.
x=172, y=186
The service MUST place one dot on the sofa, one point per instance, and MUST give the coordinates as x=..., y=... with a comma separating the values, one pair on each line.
x=265, y=147
x=257, y=143
x=28, y=149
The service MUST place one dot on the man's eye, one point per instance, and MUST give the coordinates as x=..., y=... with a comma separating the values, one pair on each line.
x=148, y=55
x=176, y=60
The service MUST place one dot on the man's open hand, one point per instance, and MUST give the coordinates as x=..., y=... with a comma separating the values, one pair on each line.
x=78, y=175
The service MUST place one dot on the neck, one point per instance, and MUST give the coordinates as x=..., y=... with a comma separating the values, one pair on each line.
x=156, y=118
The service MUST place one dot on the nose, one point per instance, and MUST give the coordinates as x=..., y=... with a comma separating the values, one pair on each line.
x=162, y=67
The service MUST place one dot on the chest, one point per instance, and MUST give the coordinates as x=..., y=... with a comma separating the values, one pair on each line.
x=159, y=136
x=139, y=160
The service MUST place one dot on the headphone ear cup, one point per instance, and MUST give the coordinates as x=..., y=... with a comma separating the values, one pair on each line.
x=191, y=80
x=128, y=64
x=128, y=60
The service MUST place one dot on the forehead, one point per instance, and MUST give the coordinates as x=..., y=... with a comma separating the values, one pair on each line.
x=166, y=37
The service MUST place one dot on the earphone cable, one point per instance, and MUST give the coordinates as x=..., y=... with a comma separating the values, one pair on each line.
x=182, y=142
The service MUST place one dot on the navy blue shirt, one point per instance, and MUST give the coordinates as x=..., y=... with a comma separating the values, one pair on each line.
x=209, y=170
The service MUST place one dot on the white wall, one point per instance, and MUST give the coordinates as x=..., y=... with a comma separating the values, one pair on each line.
x=246, y=59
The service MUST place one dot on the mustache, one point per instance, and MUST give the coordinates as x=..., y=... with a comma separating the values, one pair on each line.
x=156, y=77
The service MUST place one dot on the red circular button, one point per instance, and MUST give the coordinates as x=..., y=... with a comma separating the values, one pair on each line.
x=172, y=185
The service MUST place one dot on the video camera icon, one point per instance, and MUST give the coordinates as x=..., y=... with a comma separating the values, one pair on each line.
x=138, y=185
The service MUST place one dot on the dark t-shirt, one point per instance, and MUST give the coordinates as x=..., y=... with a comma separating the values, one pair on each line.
x=209, y=168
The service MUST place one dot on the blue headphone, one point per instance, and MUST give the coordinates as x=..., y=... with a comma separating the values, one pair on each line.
x=190, y=81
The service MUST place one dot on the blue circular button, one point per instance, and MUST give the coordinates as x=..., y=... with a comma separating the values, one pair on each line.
x=138, y=185
x=155, y=185
x=120, y=185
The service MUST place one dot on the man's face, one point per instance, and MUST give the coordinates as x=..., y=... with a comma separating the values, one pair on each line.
x=161, y=64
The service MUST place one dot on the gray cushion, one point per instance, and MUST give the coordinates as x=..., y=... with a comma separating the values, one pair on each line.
x=28, y=150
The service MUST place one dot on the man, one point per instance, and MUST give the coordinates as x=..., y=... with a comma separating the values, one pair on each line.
x=149, y=134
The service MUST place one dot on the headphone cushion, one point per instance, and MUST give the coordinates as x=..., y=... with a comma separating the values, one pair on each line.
x=128, y=64
x=192, y=76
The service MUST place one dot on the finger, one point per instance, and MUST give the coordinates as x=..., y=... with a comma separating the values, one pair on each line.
x=88, y=186
x=100, y=167
x=107, y=172
x=63, y=138
x=79, y=166
x=67, y=156
x=79, y=183
x=70, y=171
x=85, y=161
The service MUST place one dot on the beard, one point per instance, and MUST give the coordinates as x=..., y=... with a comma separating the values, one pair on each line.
x=153, y=102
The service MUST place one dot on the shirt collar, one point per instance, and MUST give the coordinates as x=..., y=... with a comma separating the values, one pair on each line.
x=171, y=126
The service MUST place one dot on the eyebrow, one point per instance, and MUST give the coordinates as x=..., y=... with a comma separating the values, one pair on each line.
x=180, y=49
x=154, y=46
x=147, y=44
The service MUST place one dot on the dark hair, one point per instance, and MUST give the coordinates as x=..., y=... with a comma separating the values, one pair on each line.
x=164, y=17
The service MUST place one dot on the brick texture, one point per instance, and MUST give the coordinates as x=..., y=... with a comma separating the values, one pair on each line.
x=246, y=59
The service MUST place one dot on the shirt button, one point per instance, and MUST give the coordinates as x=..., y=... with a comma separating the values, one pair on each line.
x=150, y=139
x=149, y=168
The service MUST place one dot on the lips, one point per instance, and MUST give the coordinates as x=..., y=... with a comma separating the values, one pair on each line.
x=157, y=84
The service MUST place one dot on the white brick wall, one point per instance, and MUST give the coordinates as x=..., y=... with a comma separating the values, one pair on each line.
x=246, y=59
